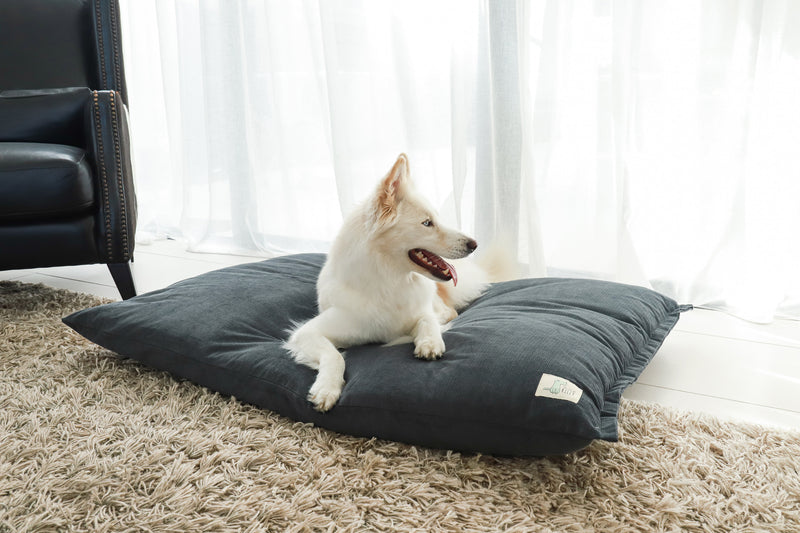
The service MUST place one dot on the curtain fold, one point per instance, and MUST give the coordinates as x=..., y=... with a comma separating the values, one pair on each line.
x=636, y=141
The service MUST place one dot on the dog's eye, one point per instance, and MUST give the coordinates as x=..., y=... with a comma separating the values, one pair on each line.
x=428, y=223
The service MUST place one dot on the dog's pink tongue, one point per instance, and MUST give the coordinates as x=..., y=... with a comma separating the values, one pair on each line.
x=452, y=273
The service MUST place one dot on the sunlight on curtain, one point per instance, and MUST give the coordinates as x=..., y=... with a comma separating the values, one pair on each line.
x=639, y=141
x=664, y=138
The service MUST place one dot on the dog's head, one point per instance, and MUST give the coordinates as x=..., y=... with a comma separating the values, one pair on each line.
x=406, y=224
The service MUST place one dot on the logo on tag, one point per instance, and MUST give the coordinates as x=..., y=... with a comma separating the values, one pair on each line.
x=551, y=386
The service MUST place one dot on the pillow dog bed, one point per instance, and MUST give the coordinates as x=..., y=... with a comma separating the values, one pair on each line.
x=533, y=367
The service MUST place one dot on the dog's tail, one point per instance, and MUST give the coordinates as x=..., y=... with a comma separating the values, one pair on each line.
x=498, y=263
x=492, y=265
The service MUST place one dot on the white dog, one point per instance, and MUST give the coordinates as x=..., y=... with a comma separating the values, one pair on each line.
x=379, y=284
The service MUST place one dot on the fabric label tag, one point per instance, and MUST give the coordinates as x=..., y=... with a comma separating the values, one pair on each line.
x=551, y=386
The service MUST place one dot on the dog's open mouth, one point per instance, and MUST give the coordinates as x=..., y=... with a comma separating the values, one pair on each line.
x=434, y=264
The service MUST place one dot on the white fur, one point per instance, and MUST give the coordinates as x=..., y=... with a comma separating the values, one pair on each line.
x=370, y=291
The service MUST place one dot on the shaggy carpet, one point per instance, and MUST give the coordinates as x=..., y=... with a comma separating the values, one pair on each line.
x=89, y=442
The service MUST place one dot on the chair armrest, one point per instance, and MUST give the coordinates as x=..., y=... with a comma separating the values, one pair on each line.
x=53, y=116
x=106, y=120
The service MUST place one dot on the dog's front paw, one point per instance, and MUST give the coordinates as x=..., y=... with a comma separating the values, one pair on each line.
x=324, y=395
x=429, y=348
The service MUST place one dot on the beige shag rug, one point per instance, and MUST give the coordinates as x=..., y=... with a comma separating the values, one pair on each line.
x=89, y=442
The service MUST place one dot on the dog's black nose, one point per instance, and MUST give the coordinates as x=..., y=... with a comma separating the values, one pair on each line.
x=472, y=244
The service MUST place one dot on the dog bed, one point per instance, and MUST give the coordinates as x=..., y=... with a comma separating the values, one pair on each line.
x=533, y=367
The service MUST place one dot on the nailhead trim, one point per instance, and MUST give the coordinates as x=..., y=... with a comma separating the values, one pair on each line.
x=117, y=81
x=103, y=174
x=120, y=181
x=98, y=16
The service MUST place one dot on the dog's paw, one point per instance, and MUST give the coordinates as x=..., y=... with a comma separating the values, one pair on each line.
x=429, y=348
x=324, y=395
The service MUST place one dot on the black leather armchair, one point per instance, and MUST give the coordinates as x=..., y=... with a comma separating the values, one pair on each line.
x=66, y=183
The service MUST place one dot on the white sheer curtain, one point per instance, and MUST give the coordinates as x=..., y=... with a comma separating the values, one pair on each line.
x=646, y=142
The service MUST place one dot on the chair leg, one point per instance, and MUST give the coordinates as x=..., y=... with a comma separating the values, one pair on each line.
x=123, y=278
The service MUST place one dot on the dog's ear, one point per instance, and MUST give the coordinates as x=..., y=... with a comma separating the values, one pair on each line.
x=391, y=190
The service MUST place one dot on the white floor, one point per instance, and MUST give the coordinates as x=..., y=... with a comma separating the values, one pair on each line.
x=711, y=362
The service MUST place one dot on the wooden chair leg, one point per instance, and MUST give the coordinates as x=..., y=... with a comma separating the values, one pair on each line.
x=123, y=278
